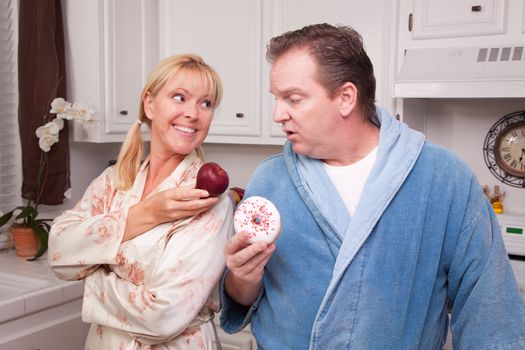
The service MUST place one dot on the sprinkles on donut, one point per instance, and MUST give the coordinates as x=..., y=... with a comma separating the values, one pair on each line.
x=259, y=217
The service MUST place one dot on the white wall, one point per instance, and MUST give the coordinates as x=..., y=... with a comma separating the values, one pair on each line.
x=461, y=125
x=88, y=160
x=239, y=160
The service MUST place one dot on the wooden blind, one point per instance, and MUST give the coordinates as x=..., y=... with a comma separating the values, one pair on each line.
x=10, y=159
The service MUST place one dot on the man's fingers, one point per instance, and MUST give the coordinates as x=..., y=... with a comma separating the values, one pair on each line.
x=236, y=243
x=255, y=265
x=240, y=253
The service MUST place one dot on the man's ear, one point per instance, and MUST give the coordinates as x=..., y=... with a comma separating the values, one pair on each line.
x=147, y=102
x=348, y=99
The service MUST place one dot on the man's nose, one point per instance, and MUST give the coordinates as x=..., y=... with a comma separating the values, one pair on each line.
x=280, y=113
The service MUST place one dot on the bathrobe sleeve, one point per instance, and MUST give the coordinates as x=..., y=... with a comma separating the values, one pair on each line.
x=234, y=316
x=89, y=234
x=487, y=308
x=164, y=304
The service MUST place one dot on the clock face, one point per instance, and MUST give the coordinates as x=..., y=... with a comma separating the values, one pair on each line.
x=504, y=149
x=510, y=149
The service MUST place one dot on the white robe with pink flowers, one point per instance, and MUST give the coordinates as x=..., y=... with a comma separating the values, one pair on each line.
x=156, y=291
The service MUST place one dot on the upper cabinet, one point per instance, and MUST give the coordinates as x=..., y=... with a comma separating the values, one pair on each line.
x=228, y=36
x=457, y=18
x=460, y=23
x=231, y=35
x=111, y=47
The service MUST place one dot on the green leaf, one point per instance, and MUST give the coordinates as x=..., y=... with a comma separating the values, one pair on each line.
x=43, y=237
x=6, y=217
x=25, y=213
x=42, y=222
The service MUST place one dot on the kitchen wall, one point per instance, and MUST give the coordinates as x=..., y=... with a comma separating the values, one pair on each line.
x=458, y=124
x=461, y=125
x=88, y=160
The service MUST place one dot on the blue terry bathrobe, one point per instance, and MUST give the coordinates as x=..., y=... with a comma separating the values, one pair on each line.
x=422, y=237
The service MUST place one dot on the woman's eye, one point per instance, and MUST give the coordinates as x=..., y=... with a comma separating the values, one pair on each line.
x=206, y=104
x=178, y=98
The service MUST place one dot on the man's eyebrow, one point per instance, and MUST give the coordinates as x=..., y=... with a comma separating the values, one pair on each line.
x=289, y=90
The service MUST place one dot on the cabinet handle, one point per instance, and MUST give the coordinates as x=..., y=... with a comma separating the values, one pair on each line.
x=123, y=112
x=476, y=8
x=239, y=115
x=398, y=117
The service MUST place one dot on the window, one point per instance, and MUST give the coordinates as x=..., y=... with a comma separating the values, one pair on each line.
x=10, y=159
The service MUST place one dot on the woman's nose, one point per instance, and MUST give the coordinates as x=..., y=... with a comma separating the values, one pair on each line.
x=191, y=111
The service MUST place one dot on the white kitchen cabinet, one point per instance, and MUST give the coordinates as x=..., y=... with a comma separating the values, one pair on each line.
x=228, y=35
x=231, y=35
x=111, y=46
x=239, y=341
x=460, y=23
x=458, y=18
x=476, y=31
x=57, y=328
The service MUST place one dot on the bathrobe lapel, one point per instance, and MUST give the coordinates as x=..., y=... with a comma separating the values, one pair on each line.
x=399, y=148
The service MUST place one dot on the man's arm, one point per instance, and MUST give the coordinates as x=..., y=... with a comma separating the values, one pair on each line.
x=245, y=263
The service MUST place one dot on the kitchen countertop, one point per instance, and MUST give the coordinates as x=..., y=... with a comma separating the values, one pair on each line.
x=30, y=286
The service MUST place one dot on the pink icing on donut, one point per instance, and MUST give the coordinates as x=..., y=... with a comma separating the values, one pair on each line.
x=259, y=217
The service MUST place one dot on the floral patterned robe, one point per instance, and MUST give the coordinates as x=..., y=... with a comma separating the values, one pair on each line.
x=156, y=291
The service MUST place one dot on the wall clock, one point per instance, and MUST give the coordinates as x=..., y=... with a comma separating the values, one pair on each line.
x=504, y=149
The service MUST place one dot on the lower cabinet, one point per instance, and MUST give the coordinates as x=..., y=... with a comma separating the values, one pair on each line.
x=61, y=328
x=57, y=328
x=243, y=340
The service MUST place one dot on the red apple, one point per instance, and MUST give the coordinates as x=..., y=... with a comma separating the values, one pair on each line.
x=212, y=178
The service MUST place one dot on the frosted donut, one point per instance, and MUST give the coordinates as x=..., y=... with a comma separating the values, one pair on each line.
x=259, y=217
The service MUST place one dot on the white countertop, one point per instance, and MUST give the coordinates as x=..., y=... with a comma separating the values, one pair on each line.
x=30, y=286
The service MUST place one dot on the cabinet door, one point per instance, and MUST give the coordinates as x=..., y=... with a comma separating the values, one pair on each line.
x=228, y=36
x=129, y=57
x=239, y=341
x=65, y=335
x=456, y=18
x=111, y=47
x=373, y=19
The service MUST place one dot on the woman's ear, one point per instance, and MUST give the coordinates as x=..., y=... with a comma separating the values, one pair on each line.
x=147, y=102
x=348, y=99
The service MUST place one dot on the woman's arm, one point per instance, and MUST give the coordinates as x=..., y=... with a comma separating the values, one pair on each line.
x=171, y=296
x=89, y=234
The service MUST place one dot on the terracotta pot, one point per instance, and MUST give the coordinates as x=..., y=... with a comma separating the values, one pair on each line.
x=26, y=241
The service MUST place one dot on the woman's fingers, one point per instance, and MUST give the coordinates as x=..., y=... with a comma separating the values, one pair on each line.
x=187, y=193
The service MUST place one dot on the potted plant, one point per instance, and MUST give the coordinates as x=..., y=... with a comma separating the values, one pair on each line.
x=26, y=222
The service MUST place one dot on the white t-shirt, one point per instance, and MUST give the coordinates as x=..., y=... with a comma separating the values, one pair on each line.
x=349, y=180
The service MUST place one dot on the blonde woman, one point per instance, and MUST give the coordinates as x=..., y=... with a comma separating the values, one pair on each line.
x=146, y=242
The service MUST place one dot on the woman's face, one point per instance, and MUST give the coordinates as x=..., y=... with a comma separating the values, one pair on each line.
x=180, y=115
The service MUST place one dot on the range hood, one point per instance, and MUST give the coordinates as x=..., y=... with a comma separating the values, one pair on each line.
x=464, y=72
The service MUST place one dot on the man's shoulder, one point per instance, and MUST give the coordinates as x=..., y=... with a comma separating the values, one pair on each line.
x=268, y=174
x=442, y=157
x=271, y=164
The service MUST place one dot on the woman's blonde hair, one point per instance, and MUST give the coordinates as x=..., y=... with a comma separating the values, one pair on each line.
x=131, y=152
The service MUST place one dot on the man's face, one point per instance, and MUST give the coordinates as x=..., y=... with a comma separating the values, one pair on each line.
x=302, y=105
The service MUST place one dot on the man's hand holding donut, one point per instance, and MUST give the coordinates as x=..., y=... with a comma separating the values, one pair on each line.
x=245, y=264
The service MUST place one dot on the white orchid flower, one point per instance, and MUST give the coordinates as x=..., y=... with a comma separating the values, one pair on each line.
x=85, y=114
x=48, y=134
x=61, y=108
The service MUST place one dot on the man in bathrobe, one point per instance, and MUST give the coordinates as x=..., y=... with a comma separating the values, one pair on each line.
x=382, y=232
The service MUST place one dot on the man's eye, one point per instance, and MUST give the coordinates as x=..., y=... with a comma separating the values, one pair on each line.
x=178, y=98
x=206, y=104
